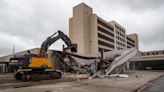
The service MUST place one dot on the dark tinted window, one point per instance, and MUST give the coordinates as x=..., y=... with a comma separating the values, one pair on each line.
x=131, y=44
x=102, y=49
x=105, y=31
x=105, y=44
x=105, y=25
x=130, y=39
x=105, y=37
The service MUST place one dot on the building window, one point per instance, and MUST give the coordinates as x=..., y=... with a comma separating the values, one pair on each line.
x=130, y=39
x=105, y=38
x=118, y=42
x=157, y=53
x=123, y=31
x=105, y=44
x=102, y=49
x=118, y=37
x=130, y=44
x=105, y=31
x=105, y=25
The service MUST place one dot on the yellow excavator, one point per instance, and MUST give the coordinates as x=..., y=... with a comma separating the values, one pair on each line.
x=37, y=66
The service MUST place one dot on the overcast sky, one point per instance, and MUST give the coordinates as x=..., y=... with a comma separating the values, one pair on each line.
x=26, y=23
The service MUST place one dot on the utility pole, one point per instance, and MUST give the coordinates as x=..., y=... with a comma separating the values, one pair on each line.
x=14, y=50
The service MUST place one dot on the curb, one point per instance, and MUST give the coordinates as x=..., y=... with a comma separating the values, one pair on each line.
x=146, y=85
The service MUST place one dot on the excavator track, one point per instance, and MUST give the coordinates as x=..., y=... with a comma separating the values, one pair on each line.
x=36, y=76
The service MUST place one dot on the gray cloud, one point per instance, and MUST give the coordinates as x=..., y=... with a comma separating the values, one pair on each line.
x=30, y=21
x=143, y=4
x=26, y=23
x=135, y=5
x=153, y=39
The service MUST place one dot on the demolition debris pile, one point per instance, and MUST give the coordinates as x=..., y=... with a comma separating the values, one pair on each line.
x=111, y=62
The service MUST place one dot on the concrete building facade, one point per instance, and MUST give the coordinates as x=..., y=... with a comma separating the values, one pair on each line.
x=119, y=35
x=132, y=41
x=93, y=34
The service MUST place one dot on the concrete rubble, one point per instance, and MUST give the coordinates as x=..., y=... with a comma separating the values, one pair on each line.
x=91, y=65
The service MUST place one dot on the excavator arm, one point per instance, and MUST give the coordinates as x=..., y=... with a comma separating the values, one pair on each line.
x=51, y=39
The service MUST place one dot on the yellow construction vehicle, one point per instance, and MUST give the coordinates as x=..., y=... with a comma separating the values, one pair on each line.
x=37, y=66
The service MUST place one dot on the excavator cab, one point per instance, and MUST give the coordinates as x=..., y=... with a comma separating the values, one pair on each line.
x=19, y=61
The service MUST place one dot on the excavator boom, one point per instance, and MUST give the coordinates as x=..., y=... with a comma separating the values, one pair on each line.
x=51, y=39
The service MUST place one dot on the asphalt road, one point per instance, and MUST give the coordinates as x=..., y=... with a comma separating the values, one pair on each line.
x=156, y=86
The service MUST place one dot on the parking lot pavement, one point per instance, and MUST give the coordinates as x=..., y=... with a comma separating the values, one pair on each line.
x=156, y=85
x=135, y=80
